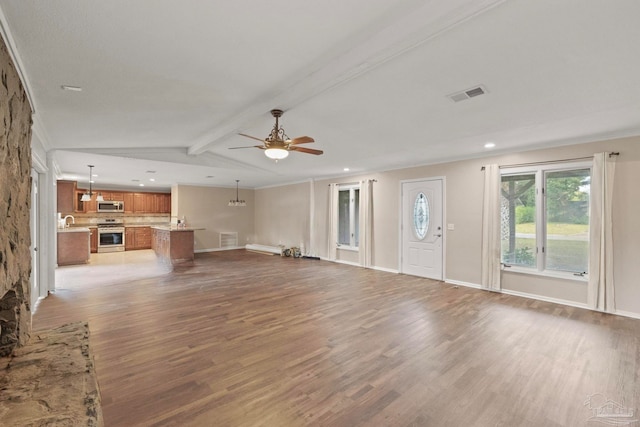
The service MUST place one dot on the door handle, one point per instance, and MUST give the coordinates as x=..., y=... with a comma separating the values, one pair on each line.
x=438, y=235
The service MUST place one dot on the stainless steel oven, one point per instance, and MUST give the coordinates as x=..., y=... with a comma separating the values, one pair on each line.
x=111, y=235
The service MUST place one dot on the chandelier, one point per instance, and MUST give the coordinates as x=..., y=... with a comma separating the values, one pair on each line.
x=86, y=197
x=237, y=201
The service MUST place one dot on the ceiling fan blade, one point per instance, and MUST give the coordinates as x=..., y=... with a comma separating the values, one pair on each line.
x=302, y=140
x=247, y=146
x=252, y=137
x=306, y=150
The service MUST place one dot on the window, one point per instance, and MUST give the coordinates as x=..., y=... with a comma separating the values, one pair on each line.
x=545, y=218
x=348, y=216
x=421, y=216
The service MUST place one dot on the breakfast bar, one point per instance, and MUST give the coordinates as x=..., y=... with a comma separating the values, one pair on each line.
x=173, y=245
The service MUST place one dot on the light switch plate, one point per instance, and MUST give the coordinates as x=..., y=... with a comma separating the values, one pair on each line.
x=450, y=226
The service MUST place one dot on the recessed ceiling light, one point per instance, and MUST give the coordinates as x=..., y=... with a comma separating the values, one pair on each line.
x=71, y=88
x=94, y=175
x=346, y=169
x=92, y=181
x=152, y=179
x=489, y=145
x=141, y=185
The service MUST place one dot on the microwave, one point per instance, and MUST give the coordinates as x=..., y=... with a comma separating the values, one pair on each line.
x=110, y=206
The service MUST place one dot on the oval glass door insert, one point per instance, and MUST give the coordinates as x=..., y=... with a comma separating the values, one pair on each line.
x=421, y=216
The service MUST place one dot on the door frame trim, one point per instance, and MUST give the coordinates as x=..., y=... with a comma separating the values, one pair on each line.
x=444, y=221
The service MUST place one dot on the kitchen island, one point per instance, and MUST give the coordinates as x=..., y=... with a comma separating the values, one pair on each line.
x=173, y=245
x=73, y=245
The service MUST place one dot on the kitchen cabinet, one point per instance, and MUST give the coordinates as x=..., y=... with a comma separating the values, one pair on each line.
x=164, y=203
x=173, y=246
x=127, y=198
x=139, y=203
x=73, y=246
x=93, y=239
x=136, y=238
x=66, y=197
x=129, y=239
x=69, y=200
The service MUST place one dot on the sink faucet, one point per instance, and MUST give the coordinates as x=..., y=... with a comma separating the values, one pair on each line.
x=73, y=220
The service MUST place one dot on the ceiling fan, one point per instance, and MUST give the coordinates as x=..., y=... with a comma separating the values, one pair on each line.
x=277, y=145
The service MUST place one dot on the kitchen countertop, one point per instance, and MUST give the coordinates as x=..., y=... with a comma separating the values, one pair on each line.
x=147, y=225
x=74, y=230
x=175, y=228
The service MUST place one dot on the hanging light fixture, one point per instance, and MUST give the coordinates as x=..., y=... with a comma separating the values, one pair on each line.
x=86, y=197
x=276, y=153
x=237, y=201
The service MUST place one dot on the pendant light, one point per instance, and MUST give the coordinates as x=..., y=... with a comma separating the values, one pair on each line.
x=237, y=201
x=86, y=197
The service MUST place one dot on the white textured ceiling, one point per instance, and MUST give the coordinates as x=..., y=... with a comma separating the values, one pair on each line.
x=167, y=85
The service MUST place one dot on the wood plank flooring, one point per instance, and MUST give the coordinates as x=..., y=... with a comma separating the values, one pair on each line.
x=245, y=339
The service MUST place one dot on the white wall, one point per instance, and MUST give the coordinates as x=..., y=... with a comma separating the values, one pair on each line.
x=464, y=181
x=207, y=208
x=282, y=215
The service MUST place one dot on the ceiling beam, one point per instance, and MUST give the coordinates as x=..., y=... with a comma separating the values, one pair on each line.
x=413, y=24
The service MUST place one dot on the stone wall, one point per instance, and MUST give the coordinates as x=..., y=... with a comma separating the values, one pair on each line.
x=15, y=202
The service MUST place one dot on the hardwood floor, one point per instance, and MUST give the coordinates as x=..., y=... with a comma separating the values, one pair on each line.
x=244, y=339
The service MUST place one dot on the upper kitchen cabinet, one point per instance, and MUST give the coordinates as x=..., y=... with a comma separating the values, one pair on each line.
x=69, y=200
x=151, y=203
x=127, y=198
x=66, y=196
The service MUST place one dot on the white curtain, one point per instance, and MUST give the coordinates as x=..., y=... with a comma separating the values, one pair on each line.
x=332, y=243
x=366, y=222
x=491, y=229
x=600, y=293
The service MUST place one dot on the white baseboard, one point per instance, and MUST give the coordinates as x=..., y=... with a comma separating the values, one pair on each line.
x=546, y=299
x=386, y=270
x=461, y=283
x=233, y=248
x=263, y=248
x=354, y=264
x=628, y=314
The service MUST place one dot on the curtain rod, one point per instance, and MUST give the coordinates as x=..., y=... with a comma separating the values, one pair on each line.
x=551, y=161
x=371, y=180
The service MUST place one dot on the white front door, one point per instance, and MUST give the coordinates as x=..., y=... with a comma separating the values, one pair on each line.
x=422, y=233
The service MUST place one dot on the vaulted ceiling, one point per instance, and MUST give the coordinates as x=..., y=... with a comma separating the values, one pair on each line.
x=167, y=85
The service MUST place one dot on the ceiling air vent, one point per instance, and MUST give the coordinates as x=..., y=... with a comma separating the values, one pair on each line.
x=469, y=93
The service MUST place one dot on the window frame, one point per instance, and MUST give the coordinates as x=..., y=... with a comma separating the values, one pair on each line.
x=541, y=221
x=352, y=246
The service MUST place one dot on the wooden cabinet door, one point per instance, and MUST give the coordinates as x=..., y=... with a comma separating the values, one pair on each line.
x=127, y=198
x=143, y=237
x=91, y=206
x=166, y=203
x=149, y=202
x=66, y=196
x=93, y=240
x=138, y=203
x=129, y=238
x=79, y=205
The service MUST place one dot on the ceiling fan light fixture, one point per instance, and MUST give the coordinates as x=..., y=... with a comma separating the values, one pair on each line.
x=276, y=153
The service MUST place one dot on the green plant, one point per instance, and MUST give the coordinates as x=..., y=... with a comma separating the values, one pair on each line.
x=525, y=214
x=524, y=256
